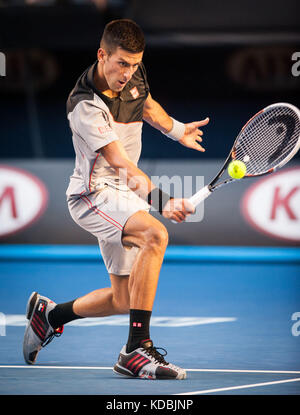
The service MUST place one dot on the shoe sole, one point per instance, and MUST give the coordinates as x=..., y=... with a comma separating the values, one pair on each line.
x=31, y=304
x=122, y=372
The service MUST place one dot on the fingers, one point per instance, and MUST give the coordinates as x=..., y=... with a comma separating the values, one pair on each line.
x=188, y=207
x=178, y=217
x=197, y=134
x=202, y=122
x=197, y=146
x=181, y=209
x=198, y=138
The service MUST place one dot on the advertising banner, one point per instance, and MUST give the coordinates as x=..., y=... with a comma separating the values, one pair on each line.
x=251, y=212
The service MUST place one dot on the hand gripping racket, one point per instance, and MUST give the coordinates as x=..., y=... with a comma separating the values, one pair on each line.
x=266, y=142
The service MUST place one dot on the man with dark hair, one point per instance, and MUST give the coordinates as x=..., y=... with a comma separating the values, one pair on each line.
x=124, y=35
x=110, y=197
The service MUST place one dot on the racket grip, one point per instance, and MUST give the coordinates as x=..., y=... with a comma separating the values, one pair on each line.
x=201, y=195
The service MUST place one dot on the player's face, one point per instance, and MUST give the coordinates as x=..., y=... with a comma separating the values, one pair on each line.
x=118, y=68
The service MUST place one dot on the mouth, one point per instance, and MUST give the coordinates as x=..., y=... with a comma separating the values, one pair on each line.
x=122, y=83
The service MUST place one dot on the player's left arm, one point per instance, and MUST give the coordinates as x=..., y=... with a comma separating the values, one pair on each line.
x=189, y=135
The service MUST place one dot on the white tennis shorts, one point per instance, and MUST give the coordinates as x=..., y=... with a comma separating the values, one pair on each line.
x=104, y=214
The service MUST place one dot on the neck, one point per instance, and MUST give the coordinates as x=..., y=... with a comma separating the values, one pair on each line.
x=101, y=84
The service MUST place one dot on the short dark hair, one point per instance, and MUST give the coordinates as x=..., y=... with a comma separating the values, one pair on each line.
x=123, y=33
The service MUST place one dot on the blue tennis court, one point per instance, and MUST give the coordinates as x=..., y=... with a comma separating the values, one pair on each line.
x=229, y=315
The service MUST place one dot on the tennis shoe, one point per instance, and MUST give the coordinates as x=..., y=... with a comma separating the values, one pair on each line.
x=38, y=332
x=147, y=363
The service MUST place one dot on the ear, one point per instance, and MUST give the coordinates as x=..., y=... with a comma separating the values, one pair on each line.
x=101, y=55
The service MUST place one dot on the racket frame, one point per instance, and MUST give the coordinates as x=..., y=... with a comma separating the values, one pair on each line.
x=206, y=191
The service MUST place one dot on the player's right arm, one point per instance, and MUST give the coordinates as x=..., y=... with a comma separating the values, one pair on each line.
x=92, y=125
x=116, y=156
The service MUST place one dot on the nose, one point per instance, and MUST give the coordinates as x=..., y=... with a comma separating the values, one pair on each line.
x=129, y=72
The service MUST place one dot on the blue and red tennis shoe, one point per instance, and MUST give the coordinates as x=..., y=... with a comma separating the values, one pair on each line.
x=38, y=332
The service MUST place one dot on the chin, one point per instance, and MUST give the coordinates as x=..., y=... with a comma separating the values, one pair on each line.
x=116, y=89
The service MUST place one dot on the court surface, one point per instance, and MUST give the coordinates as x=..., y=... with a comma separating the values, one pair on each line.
x=230, y=316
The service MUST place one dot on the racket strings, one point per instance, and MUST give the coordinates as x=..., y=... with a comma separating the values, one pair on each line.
x=268, y=139
x=265, y=144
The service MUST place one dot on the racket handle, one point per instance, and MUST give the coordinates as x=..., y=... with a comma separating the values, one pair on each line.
x=200, y=196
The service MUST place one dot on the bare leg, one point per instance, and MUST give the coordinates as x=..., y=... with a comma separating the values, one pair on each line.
x=105, y=301
x=147, y=233
x=150, y=235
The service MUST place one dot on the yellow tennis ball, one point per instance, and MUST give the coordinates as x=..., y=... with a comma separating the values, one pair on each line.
x=237, y=169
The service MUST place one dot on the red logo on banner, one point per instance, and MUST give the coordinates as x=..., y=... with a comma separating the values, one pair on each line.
x=272, y=205
x=23, y=199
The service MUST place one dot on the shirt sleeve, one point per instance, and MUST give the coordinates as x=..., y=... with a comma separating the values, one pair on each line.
x=92, y=124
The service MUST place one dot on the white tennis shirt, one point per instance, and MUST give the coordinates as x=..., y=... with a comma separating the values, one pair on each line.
x=96, y=120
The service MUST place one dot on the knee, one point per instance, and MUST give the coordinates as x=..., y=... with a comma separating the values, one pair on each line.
x=157, y=237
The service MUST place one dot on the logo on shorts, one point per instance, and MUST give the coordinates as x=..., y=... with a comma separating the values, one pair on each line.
x=134, y=92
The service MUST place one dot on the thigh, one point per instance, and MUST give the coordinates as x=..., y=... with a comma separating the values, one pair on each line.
x=138, y=227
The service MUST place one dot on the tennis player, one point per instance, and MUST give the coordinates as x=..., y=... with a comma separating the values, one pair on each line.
x=110, y=197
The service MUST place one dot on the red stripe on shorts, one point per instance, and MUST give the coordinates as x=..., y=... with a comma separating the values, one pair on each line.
x=103, y=213
x=100, y=213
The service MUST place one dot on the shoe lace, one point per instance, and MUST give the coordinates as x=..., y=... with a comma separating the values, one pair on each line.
x=159, y=357
x=56, y=333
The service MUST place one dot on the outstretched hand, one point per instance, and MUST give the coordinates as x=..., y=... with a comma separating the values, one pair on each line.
x=193, y=136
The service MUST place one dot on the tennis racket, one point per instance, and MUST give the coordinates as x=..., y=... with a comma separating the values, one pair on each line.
x=266, y=143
